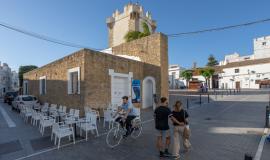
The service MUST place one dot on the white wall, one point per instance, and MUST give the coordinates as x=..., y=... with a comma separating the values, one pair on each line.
x=261, y=47
x=247, y=76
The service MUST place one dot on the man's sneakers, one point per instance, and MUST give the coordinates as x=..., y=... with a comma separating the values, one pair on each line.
x=161, y=154
x=165, y=153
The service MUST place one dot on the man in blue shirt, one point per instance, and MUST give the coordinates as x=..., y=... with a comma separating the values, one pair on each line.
x=128, y=114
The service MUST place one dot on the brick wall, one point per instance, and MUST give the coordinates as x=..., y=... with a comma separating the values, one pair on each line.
x=56, y=83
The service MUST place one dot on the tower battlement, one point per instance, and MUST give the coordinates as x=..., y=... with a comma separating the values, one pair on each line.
x=119, y=24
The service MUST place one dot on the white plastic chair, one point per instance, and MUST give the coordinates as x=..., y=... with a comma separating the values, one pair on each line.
x=45, y=107
x=53, y=108
x=108, y=117
x=76, y=113
x=64, y=109
x=45, y=121
x=96, y=112
x=71, y=112
x=27, y=113
x=35, y=117
x=60, y=109
x=90, y=124
x=61, y=131
x=137, y=112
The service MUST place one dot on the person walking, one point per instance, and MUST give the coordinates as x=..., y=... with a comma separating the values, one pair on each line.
x=179, y=122
x=161, y=115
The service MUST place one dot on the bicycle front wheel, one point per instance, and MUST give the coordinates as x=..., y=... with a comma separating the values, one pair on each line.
x=114, y=137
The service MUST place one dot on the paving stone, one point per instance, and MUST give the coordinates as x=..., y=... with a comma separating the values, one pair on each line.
x=10, y=147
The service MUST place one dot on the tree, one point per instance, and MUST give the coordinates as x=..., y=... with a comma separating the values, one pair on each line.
x=187, y=74
x=207, y=73
x=212, y=61
x=25, y=69
x=132, y=35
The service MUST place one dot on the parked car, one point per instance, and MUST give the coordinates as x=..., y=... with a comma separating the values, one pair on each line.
x=24, y=100
x=9, y=97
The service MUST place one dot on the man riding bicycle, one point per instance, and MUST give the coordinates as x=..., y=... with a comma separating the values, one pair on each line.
x=127, y=115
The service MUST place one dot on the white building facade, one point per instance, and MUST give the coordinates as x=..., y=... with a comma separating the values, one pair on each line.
x=9, y=80
x=175, y=79
x=251, y=72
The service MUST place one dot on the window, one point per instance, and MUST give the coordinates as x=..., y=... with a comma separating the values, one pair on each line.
x=28, y=98
x=42, y=85
x=264, y=43
x=236, y=71
x=74, y=81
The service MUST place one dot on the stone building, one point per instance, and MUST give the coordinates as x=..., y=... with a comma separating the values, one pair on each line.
x=97, y=79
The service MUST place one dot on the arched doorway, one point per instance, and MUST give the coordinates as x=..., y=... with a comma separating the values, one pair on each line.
x=149, y=88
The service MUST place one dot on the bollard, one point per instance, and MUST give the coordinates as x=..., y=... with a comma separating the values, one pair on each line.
x=227, y=92
x=200, y=98
x=267, y=117
x=208, y=98
x=230, y=92
x=234, y=91
x=216, y=96
x=187, y=104
x=269, y=100
x=248, y=157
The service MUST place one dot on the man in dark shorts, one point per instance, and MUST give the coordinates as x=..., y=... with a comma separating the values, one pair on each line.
x=162, y=114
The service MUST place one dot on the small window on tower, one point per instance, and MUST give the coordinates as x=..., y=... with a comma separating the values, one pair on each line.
x=264, y=43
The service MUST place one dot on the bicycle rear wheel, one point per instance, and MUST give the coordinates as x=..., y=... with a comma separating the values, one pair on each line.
x=137, y=129
x=114, y=137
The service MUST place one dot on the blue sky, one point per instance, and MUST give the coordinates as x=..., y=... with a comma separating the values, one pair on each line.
x=83, y=22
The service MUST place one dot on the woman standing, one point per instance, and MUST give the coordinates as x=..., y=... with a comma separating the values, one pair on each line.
x=179, y=123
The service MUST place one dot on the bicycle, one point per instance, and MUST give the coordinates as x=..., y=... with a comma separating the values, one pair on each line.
x=116, y=134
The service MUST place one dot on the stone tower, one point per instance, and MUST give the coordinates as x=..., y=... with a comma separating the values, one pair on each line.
x=130, y=20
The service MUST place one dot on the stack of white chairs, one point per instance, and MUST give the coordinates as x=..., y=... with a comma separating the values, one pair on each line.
x=27, y=113
x=35, y=117
x=137, y=112
x=87, y=110
x=59, y=130
x=77, y=114
x=108, y=117
x=53, y=108
x=89, y=124
x=22, y=110
x=95, y=111
x=45, y=108
x=45, y=121
x=60, y=109
x=64, y=109
x=71, y=116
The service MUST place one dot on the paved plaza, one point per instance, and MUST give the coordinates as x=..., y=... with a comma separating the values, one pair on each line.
x=224, y=129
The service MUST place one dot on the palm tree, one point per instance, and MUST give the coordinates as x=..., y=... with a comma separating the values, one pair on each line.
x=132, y=35
x=207, y=73
x=187, y=74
